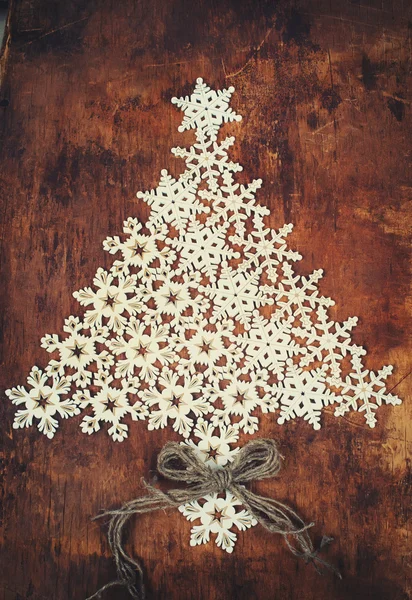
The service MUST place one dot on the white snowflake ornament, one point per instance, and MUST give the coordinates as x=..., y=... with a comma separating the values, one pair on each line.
x=110, y=405
x=114, y=301
x=303, y=394
x=77, y=351
x=202, y=249
x=45, y=399
x=173, y=202
x=206, y=109
x=364, y=390
x=142, y=253
x=217, y=515
x=207, y=160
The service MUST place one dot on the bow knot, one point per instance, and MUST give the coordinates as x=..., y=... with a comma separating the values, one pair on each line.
x=222, y=479
x=258, y=459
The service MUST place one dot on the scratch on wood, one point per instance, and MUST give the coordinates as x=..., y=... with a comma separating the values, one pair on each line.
x=400, y=381
x=55, y=31
x=253, y=56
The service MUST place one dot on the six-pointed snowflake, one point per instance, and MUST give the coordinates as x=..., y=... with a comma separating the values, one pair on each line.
x=206, y=109
x=175, y=398
x=201, y=324
x=234, y=202
x=77, y=351
x=218, y=515
x=43, y=401
x=364, y=390
x=303, y=394
x=143, y=253
x=110, y=405
x=236, y=295
x=207, y=160
x=173, y=202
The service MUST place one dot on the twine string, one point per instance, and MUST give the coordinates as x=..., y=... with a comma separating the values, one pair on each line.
x=258, y=459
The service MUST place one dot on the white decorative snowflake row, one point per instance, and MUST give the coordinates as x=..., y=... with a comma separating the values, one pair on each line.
x=201, y=325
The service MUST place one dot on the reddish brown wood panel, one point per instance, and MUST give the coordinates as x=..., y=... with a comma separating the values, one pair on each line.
x=325, y=91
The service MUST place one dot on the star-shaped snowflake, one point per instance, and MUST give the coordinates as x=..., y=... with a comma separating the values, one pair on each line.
x=298, y=295
x=207, y=160
x=218, y=515
x=268, y=345
x=176, y=299
x=173, y=201
x=364, y=391
x=240, y=398
x=77, y=351
x=202, y=249
x=175, y=399
x=233, y=202
x=215, y=445
x=206, y=109
x=303, y=394
x=110, y=405
x=328, y=342
x=144, y=349
x=43, y=401
x=210, y=349
x=113, y=302
x=265, y=248
x=141, y=253
x=236, y=295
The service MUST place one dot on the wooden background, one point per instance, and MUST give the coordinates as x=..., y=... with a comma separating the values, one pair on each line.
x=325, y=91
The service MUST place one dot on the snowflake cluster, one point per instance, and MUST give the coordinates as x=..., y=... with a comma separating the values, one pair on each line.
x=201, y=324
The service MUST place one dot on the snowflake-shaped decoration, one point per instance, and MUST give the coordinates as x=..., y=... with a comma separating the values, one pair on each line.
x=141, y=253
x=77, y=352
x=268, y=345
x=240, y=398
x=299, y=295
x=215, y=444
x=265, y=248
x=303, y=394
x=233, y=202
x=173, y=202
x=364, y=391
x=43, y=401
x=207, y=160
x=329, y=342
x=201, y=325
x=202, y=249
x=144, y=347
x=110, y=405
x=218, y=515
x=114, y=301
x=206, y=109
x=176, y=300
x=177, y=399
x=207, y=349
x=236, y=295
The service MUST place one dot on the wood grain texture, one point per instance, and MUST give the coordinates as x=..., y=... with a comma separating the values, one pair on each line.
x=325, y=91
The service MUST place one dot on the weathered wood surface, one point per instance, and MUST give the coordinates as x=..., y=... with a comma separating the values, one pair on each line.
x=86, y=121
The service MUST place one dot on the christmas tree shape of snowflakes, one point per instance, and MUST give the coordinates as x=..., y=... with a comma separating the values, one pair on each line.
x=201, y=325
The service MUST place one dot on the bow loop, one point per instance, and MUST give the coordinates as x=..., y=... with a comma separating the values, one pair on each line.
x=258, y=459
x=180, y=463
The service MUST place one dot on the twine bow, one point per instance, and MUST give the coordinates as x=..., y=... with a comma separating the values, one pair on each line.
x=258, y=459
